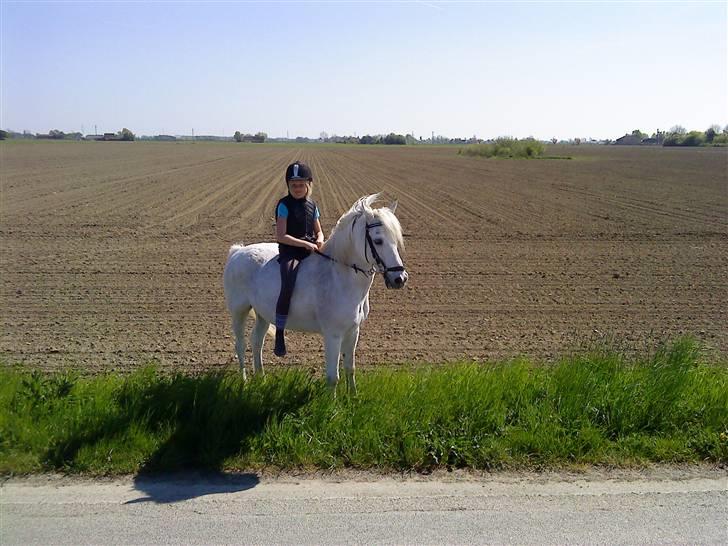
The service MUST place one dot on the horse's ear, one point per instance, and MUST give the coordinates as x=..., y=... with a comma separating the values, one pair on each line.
x=393, y=206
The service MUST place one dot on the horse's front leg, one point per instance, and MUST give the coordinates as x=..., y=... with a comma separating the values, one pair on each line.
x=348, y=348
x=332, y=349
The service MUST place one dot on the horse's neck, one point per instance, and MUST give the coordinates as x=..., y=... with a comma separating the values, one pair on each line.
x=355, y=281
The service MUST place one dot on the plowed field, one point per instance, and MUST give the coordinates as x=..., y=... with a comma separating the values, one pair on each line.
x=112, y=253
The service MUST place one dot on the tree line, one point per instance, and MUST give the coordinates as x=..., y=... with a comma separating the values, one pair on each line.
x=679, y=136
x=391, y=138
x=712, y=136
x=676, y=136
x=57, y=134
x=247, y=137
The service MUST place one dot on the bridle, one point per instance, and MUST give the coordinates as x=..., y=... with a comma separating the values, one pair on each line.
x=383, y=269
x=379, y=266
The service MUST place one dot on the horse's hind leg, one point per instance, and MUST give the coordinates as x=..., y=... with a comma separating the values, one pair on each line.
x=240, y=316
x=257, y=337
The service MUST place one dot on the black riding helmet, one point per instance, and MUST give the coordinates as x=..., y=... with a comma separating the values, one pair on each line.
x=298, y=171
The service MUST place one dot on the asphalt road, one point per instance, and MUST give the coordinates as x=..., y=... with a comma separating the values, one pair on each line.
x=247, y=509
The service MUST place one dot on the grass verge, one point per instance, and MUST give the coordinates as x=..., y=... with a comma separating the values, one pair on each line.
x=598, y=408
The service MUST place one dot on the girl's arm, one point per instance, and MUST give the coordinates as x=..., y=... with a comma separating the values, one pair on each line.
x=284, y=238
x=319, y=233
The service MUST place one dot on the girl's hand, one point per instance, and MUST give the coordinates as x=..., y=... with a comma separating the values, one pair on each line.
x=319, y=245
x=312, y=247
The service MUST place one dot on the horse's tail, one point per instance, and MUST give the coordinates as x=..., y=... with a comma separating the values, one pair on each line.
x=271, y=326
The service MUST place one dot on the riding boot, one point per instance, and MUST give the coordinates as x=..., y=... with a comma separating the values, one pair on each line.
x=280, y=346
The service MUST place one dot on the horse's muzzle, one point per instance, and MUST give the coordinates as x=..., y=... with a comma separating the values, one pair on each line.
x=397, y=280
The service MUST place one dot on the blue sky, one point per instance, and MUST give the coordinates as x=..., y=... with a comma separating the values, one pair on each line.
x=564, y=69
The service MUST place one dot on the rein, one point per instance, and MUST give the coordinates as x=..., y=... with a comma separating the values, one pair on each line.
x=353, y=266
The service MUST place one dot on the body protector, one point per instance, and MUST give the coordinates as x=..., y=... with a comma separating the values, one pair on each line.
x=300, y=223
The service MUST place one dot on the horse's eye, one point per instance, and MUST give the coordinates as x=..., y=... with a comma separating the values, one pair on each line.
x=378, y=241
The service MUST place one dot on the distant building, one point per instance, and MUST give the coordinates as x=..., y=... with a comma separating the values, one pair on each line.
x=93, y=137
x=630, y=140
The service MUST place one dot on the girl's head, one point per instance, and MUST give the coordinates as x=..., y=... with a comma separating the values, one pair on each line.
x=298, y=179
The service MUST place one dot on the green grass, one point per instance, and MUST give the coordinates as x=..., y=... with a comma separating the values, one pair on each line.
x=597, y=408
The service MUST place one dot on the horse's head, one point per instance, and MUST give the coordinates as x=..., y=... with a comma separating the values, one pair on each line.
x=378, y=239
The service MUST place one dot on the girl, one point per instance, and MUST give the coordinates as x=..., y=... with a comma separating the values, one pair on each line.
x=298, y=232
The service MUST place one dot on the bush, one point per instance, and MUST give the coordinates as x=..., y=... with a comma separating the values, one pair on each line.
x=720, y=140
x=506, y=147
x=694, y=138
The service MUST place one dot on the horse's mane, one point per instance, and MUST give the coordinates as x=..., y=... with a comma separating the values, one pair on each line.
x=338, y=244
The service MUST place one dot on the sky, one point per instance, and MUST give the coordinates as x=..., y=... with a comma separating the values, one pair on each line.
x=460, y=69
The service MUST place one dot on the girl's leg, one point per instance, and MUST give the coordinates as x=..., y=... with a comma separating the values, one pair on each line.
x=289, y=271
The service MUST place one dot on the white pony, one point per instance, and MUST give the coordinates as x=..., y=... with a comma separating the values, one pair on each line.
x=331, y=295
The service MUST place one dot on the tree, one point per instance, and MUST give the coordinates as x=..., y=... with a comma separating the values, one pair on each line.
x=126, y=134
x=392, y=138
x=260, y=136
x=554, y=140
x=324, y=136
x=56, y=134
x=677, y=130
x=237, y=136
x=639, y=134
x=672, y=139
x=3, y=134
x=694, y=138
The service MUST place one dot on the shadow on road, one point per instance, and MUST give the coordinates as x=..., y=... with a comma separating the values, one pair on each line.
x=176, y=488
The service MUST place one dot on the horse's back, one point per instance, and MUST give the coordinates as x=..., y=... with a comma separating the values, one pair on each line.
x=243, y=263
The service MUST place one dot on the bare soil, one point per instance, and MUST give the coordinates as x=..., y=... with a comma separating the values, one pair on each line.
x=112, y=253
